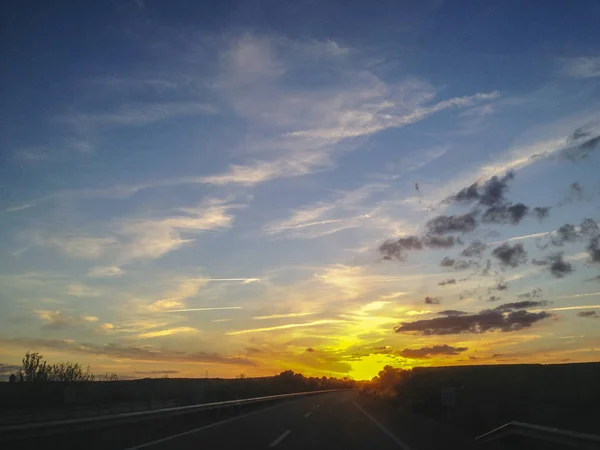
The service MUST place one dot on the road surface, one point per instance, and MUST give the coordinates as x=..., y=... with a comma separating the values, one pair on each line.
x=334, y=421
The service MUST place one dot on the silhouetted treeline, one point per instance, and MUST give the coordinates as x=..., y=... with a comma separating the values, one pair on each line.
x=480, y=398
x=39, y=389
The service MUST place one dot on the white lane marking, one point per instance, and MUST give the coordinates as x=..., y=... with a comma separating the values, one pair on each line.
x=279, y=439
x=307, y=414
x=195, y=430
x=391, y=435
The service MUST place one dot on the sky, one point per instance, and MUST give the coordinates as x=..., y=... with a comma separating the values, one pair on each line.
x=225, y=188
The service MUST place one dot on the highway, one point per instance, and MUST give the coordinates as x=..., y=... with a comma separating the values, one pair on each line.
x=338, y=420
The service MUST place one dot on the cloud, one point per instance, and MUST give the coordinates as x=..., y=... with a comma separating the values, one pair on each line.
x=520, y=305
x=535, y=293
x=566, y=233
x=452, y=312
x=594, y=249
x=464, y=264
x=581, y=67
x=491, y=193
x=494, y=298
x=427, y=352
x=140, y=114
x=447, y=281
x=310, y=350
x=153, y=238
x=166, y=332
x=133, y=353
x=503, y=214
x=432, y=300
x=287, y=326
x=81, y=247
x=447, y=262
x=510, y=256
x=475, y=248
x=19, y=207
x=283, y=316
x=589, y=227
x=558, y=266
x=581, y=147
x=452, y=224
x=56, y=320
x=590, y=314
x=541, y=211
x=217, y=308
x=82, y=290
x=311, y=126
x=397, y=248
x=105, y=271
x=481, y=322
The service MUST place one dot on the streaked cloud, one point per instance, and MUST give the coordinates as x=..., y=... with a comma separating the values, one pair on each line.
x=167, y=332
x=315, y=323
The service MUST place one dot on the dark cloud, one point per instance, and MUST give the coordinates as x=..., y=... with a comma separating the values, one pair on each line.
x=486, y=270
x=589, y=227
x=490, y=193
x=464, y=264
x=468, y=194
x=501, y=285
x=127, y=352
x=448, y=281
x=432, y=300
x=396, y=248
x=475, y=248
x=510, y=256
x=447, y=262
x=452, y=224
x=481, y=322
x=596, y=278
x=558, y=266
x=566, y=233
x=582, y=149
x=504, y=214
x=591, y=314
x=536, y=293
x=539, y=262
x=426, y=352
x=452, y=312
x=310, y=349
x=541, y=212
x=593, y=249
x=438, y=242
x=494, y=298
x=520, y=305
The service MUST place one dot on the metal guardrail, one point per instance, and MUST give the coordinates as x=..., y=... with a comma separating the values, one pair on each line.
x=556, y=435
x=70, y=425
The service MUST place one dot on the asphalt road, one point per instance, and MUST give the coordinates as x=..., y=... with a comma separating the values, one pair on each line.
x=339, y=420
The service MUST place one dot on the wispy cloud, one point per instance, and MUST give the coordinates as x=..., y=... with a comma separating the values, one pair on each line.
x=105, y=271
x=315, y=323
x=167, y=332
x=56, y=320
x=216, y=308
x=139, y=114
x=19, y=207
x=283, y=316
x=581, y=67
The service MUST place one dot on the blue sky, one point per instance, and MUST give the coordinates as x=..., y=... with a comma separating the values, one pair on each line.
x=194, y=187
